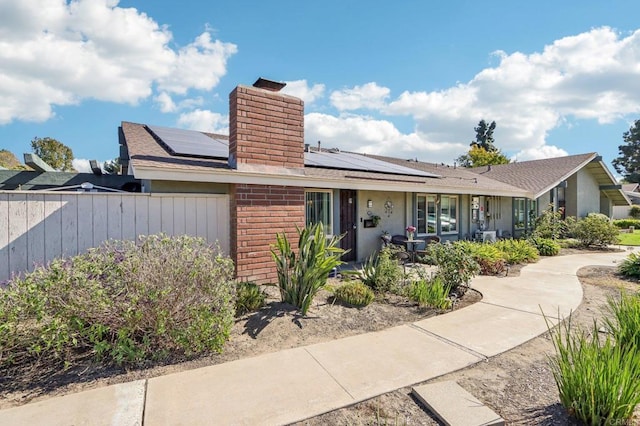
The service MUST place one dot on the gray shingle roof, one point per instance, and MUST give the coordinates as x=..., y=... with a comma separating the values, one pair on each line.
x=536, y=176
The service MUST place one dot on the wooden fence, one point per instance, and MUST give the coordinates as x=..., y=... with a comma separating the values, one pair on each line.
x=38, y=226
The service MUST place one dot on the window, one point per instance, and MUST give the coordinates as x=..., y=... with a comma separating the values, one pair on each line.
x=448, y=213
x=519, y=213
x=426, y=217
x=318, y=209
x=533, y=212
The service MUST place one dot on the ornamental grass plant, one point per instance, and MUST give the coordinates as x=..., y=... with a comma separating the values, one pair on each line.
x=598, y=382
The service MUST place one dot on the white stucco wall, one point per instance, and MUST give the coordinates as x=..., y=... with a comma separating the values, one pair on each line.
x=368, y=239
x=588, y=193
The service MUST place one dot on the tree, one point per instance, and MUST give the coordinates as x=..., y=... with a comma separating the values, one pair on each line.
x=54, y=153
x=484, y=136
x=112, y=167
x=483, y=152
x=9, y=161
x=628, y=162
x=478, y=156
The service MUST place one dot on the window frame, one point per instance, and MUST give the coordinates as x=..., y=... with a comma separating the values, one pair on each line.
x=457, y=209
x=428, y=199
x=328, y=228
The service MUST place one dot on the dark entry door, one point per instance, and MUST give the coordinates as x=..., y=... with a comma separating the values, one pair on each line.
x=348, y=223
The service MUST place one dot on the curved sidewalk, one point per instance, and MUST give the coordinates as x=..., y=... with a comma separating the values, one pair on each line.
x=300, y=383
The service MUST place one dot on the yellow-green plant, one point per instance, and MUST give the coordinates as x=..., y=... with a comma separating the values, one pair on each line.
x=355, y=293
x=249, y=297
x=433, y=293
x=301, y=275
x=624, y=322
x=517, y=251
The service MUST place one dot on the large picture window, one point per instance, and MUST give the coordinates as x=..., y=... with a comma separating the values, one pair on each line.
x=318, y=209
x=449, y=213
x=519, y=213
x=426, y=223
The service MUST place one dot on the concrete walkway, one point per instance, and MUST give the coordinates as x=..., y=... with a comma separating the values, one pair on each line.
x=300, y=383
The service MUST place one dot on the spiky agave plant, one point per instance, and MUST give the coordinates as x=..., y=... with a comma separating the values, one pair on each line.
x=302, y=275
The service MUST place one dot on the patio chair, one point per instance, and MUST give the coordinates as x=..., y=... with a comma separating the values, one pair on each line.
x=399, y=240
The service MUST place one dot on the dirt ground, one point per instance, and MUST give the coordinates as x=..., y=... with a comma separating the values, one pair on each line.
x=517, y=385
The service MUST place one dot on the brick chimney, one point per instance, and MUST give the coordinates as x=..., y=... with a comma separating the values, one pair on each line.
x=266, y=136
x=266, y=128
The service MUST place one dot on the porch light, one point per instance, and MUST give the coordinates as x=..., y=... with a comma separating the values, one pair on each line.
x=369, y=204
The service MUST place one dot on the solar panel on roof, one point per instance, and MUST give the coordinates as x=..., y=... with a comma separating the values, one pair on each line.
x=190, y=143
x=359, y=162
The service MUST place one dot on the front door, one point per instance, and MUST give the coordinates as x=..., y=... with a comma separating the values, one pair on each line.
x=348, y=223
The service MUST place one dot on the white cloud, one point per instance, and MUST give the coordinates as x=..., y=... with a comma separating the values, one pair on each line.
x=165, y=102
x=591, y=76
x=365, y=134
x=82, y=165
x=546, y=151
x=301, y=89
x=60, y=53
x=369, y=95
x=205, y=121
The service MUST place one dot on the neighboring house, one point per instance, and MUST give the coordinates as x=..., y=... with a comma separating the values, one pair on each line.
x=632, y=191
x=276, y=183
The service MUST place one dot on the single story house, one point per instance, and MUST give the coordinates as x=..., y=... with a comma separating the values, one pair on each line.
x=276, y=182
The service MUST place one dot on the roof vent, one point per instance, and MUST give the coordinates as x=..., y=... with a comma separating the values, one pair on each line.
x=273, y=86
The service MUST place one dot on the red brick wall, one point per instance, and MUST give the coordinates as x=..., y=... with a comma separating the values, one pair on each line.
x=258, y=213
x=266, y=128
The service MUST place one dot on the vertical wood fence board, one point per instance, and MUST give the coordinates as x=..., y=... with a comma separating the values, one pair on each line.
x=179, y=216
x=114, y=216
x=155, y=215
x=52, y=228
x=190, y=216
x=4, y=237
x=223, y=222
x=202, y=219
x=100, y=222
x=166, y=221
x=85, y=223
x=35, y=229
x=128, y=217
x=69, y=212
x=142, y=216
x=17, y=232
x=212, y=226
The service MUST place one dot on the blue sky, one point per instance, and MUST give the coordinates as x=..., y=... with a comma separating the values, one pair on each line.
x=410, y=79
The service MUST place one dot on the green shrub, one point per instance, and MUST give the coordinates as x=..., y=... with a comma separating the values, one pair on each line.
x=490, y=259
x=634, y=212
x=551, y=225
x=598, y=384
x=355, y=293
x=381, y=271
x=630, y=267
x=456, y=265
x=624, y=322
x=432, y=293
x=595, y=230
x=545, y=246
x=302, y=275
x=626, y=223
x=517, y=251
x=249, y=297
x=121, y=302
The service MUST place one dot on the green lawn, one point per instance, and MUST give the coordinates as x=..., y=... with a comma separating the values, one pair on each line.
x=630, y=239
